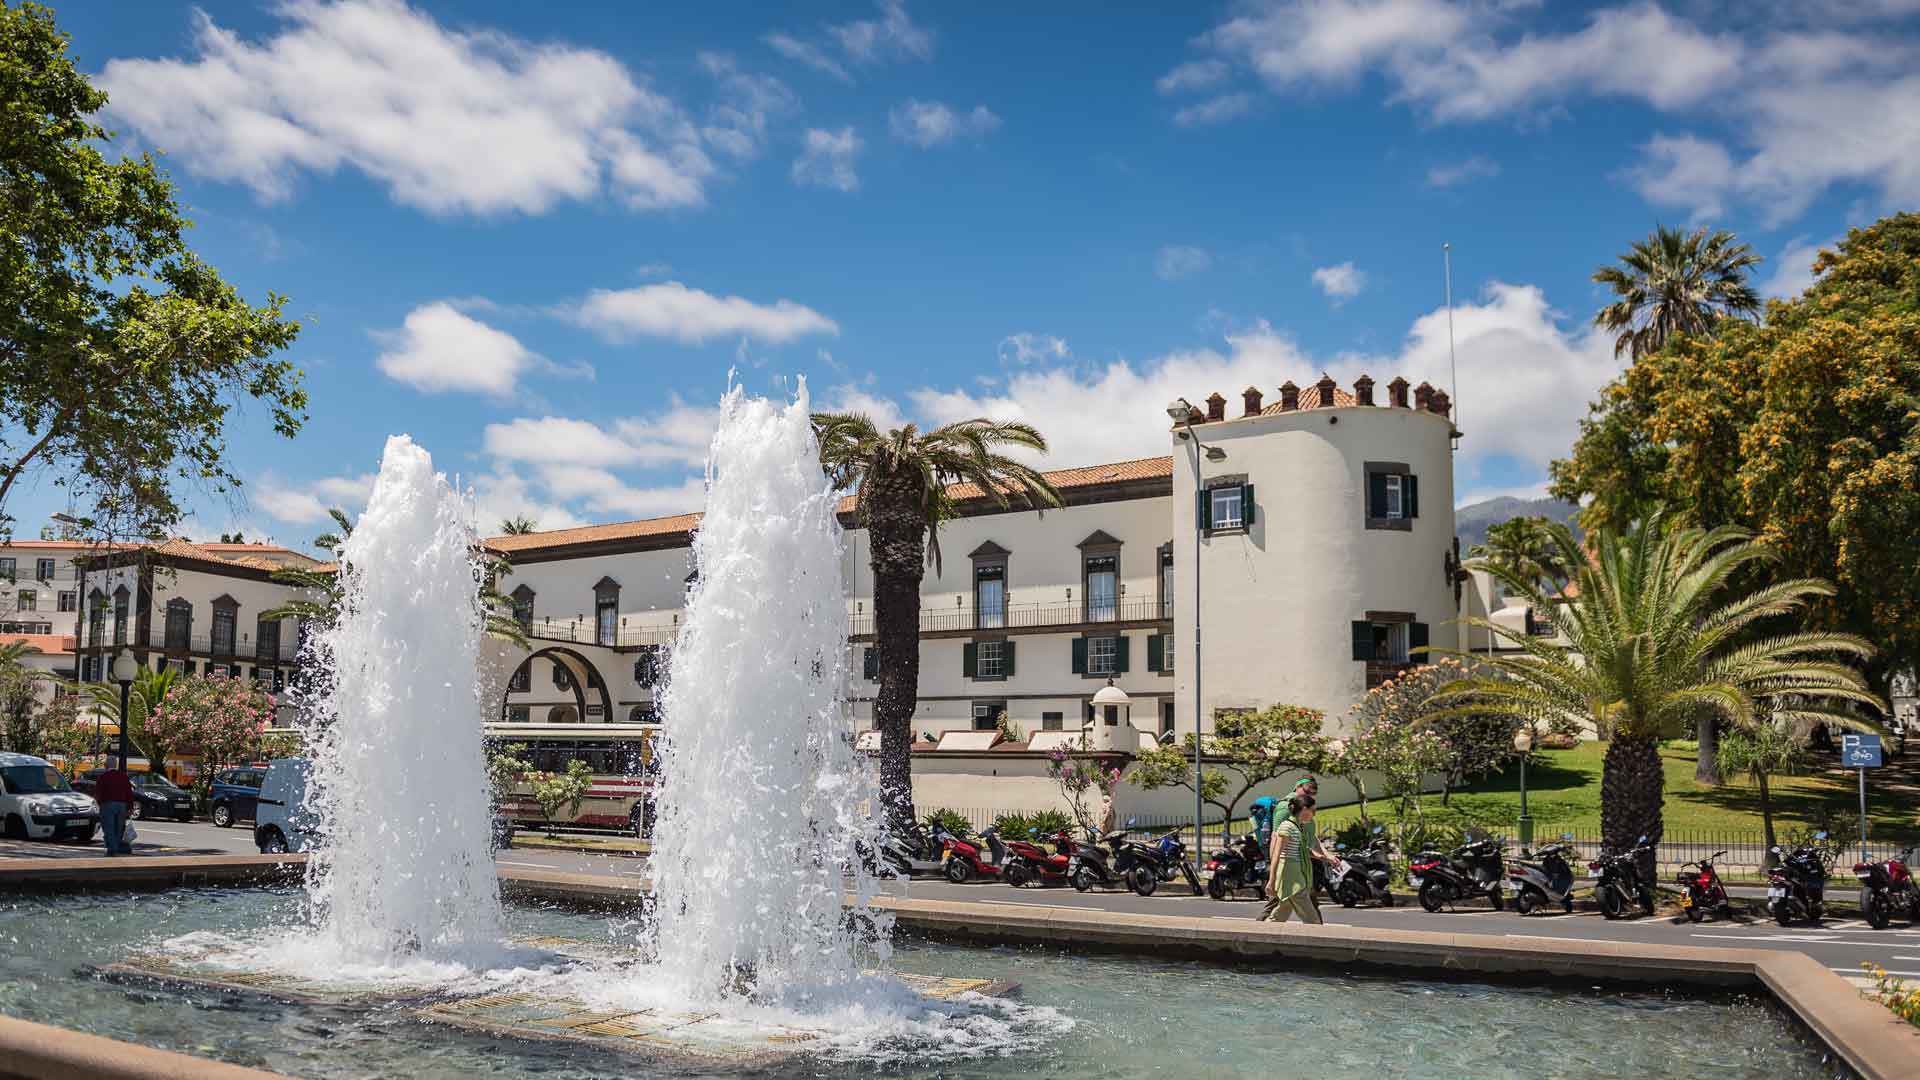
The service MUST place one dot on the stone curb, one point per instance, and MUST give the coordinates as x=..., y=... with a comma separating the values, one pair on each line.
x=1874, y=1042
x=41, y=1052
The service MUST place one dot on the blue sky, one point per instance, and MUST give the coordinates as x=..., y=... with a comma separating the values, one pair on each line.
x=537, y=237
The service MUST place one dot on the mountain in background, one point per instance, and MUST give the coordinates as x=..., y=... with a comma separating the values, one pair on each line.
x=1470, y=522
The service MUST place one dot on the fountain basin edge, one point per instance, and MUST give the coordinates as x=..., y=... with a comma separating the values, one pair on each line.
x=1872, y=1041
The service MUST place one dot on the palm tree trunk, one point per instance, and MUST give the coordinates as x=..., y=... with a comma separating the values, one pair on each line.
x=1766, y=817
x=1706, y=769
x=897, y=536
x=1632, y=786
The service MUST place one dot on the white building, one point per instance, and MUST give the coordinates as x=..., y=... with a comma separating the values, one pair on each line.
x=39, y=586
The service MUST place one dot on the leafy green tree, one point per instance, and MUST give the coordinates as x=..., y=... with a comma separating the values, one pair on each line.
x=1674, y=283
x=904, y=484
x=1244, y=751
x=1765, y=749
x=19, y=694
x=1525, y=545
x=506, y=764
x=1804, y=429
x=1655, y=635
x=1402, y=756
x=557, y=791
x=220, y=718
x=121, y=352
x=63, y=734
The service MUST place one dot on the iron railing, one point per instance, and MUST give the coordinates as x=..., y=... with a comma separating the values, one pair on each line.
x=935, y=620
x=285, y=651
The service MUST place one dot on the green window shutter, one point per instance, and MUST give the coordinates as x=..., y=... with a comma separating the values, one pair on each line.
x=1412, y=484
x=1416, y=640
x=1376, y=495
x=969, y=659
x=1006, y=653
x=1155, y=652
x=1246, y=504
x=1203, y=510
x=1362, y=640
x=870, y=663
x=1120, y=654
x=1079, y=656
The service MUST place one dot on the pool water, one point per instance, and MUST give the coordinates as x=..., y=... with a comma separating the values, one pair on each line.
x=1074, y=1016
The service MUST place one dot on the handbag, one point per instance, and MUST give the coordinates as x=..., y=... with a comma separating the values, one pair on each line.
x=129, y=834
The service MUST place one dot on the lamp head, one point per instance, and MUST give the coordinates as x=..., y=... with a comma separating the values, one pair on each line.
x=1179, y=409
x=1214, y=453
x=125, y=669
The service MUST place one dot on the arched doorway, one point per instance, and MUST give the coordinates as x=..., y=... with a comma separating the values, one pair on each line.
x=581, y=674
x=563, y=714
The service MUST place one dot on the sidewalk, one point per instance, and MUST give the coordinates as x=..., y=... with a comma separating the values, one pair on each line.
x=628, y=846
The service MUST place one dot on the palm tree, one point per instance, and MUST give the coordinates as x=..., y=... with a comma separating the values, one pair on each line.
x=518, y=525
x=904, y=489
x=148, y=691
x=1675, y=283
x=1651, y=643
x=1524, y=545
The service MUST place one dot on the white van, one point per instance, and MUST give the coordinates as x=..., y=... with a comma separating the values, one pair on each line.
x=37, y=802
x=282, y=821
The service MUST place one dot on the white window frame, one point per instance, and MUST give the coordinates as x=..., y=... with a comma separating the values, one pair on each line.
x=990, y=660
x=1111, y=656
x=1396, y=507
x=26, y=600
x=1219, y=499
x=69, y=600
x=1103, y=607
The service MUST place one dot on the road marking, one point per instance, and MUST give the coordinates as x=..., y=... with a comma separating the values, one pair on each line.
x=535, y=865
x=144, y=829
x=1861, y=971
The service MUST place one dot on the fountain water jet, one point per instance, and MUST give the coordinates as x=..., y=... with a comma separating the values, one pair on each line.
x=404, y=873
x=764, y=799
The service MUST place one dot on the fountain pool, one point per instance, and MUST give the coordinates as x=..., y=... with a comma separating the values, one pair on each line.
x=1074, y=1016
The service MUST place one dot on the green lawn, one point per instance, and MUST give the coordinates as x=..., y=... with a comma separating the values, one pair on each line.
x=1563, y=793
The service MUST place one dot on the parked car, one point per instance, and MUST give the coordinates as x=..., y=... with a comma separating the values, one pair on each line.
x=153, y=795
x=36, y=802
x=283, y=822
x=233, y=794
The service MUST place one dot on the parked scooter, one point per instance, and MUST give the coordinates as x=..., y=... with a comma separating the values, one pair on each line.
x=1886, y=886
x=1470, y=870
x=1104, y=860
x=1239, y=866
x=1543, y=877
x=1701, y=890
x=1030, y=864
x=1620, y=882
x=1362, y=874
x=966, y=859
x=1797, y=884
x=1146, y=864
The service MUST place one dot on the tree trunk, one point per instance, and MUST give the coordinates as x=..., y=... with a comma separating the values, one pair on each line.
x=1632, y=786
x=1766, y=818
x=1706, y=769
x=896, y=535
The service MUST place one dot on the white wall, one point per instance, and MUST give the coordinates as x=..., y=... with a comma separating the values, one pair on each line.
x=1280, y=598
x=652, y=589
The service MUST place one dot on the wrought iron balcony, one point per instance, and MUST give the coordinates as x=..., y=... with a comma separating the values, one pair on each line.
x=963, y=619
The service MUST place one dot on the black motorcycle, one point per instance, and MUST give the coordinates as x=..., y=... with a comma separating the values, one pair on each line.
x=1146, y=864
x=1470, y=870
x=1091, y=864
x=1239, y=866
x=1623, y=879
x=1797, y=882
x=1362, y=873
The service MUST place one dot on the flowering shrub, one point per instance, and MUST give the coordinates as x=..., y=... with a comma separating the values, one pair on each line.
x=61, y=733
x=221, y=718
x=1900, y=999
x=1078, y=778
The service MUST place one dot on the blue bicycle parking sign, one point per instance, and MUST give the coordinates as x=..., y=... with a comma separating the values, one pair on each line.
x=1860, y=751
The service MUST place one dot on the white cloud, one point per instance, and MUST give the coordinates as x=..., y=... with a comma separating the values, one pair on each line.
x=672, y=310
x=1801, y=102
x=1453, y=174
x=308, y=505
x=1792, y=269
x=930, y=123
x=811, y=55
x=608, y=495
x=503, y=494
x=1214, y=110
x=448, y=121
x=1192, y=75
x=1517, y=364
x=827, y=160
x=1025, y=348
x=737, y=123
x=893, y=36
x=1176, y=261
x=1341, y=281
x=557, y=440
x=284, y=504
x=437, y=348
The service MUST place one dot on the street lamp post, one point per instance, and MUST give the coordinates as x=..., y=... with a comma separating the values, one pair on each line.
x=1523, y=742
x=125, y=669
x=1181, y=412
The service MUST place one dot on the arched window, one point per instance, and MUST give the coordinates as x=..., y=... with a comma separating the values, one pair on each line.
x=642, y=714
x=523, y=606
x=606, y=612
x=562, y=678
x=563, y=714
x=179, y=624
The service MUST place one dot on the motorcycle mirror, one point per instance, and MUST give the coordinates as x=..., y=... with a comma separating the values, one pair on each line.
x=1566, y=836
x=1130, y=823
x=1642, y=840
x=1378, y=829
x=1820, y=835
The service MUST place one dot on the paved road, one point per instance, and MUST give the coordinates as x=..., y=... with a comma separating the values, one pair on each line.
x=1841, y=943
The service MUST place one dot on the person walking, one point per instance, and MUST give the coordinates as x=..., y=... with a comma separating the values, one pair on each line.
x=113, y=790
x=1310, y=787
x=1290, y=873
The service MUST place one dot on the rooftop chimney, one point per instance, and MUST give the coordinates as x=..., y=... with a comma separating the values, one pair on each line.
x=1442, y=404
x=1289, y=396
x=1397, y=393
x=1423, y=397
x=1325, y=386
x=1363, y=390
x=1216, y=407
x=1250, y=401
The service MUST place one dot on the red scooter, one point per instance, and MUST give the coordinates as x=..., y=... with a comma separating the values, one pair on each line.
x=1701, y=890
x=1885, y=886
x=1030, y=864
x=963, y=860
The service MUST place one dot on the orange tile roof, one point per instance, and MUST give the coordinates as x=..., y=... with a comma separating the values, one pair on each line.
x=1064, y=480
x=18, y=542
x=48, y=644
x=1310, y=399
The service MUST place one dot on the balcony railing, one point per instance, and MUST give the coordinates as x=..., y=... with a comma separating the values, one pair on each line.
x=934, y=620
x=581, y=631
x=286, y=651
